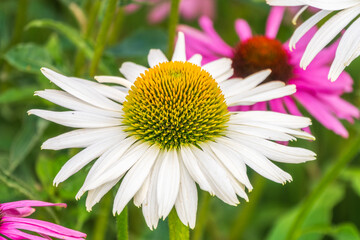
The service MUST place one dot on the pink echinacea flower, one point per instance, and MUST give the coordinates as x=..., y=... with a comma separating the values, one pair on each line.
x=189, y=9
x=320, y=97
x=13, y=221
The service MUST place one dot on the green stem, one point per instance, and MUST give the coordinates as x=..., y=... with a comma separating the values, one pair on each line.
x=333, y=172
x=117, y=26
x=102, y=36
x=101, y=224
x=122, y=225
x=173, y=21
x=244, y=216
x=20, y=21
x=80, y=57
x=203, y=216
x=177, y=230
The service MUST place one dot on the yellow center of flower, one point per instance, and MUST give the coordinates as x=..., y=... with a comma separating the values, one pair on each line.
x=175, y=104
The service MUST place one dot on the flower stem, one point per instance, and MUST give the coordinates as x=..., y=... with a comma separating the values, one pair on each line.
x=80, y=57
x=102, y=35
x=333, y=172
x=245, y=214
x=122, y=225
x=173, y=21
x=177, y=230
x=101, y=224
x=203, y=216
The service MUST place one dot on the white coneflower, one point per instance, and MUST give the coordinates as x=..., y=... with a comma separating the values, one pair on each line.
x=347, y=13
x=168, y=128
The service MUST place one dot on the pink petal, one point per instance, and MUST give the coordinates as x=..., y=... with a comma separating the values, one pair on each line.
x=293, y=109
x=28, y=203
x=49, y=226
x=260, y=106
x=277, y=105
x=243, y=30
x=207, y=25
x=15, y=234
x=19, y=212
x=42, y=231
x=159, y=12
x=321, y=112
x=274, y=21
x=340, y=107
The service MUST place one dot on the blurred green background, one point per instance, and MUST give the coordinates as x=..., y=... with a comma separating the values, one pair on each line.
x=61, y=35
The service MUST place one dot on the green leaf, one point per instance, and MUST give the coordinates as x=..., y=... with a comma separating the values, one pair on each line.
x=346, y=232
x=139, y=43
x=25, y=140
x=28, y=57
x=353, y=175
x=320, y=215
x=46, y=170
x=17, y=94
x=70, y=33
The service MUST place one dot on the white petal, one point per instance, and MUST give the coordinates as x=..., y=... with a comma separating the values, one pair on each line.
x=218, y=67
x=346, y=51
x=306, y=26
x=131, y=71
x=225, y=76
x=150, y=205
x=327, y=32
x=140, y=196
x=81, y=159
x=81, y=138
x=96, y=194
x=112, y=79
x=111, y=92
x=134, y=179
x=196, y=59
x=276, y=151
x=269, y=131
x=155, y=57
x=192, y=166
x=113, y=163
x=257, y=161
x=216, y=177
x=66, y=100
x=271, y=118
x=80, y=90
x=168, y=183
x=186, y=202
x=264, y=92
x=76, y=119
x=237, y=86
x=232, y=161
x=179, y=51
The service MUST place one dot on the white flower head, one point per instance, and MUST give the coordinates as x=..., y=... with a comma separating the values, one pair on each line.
x=166, y=128
x=347, y=13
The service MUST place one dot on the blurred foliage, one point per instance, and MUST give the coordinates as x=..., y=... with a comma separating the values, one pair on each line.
x=61, y=35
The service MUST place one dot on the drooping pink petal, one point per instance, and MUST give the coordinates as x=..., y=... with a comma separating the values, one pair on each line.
x=293, y=109
x=28, y=203
x=208, y=27
x=274, y=21
x=341, y=108
x=19, y=212
x=243, y=30
x=15, y=234
x=42, y=231
x=49, y=226
x=321, y=112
